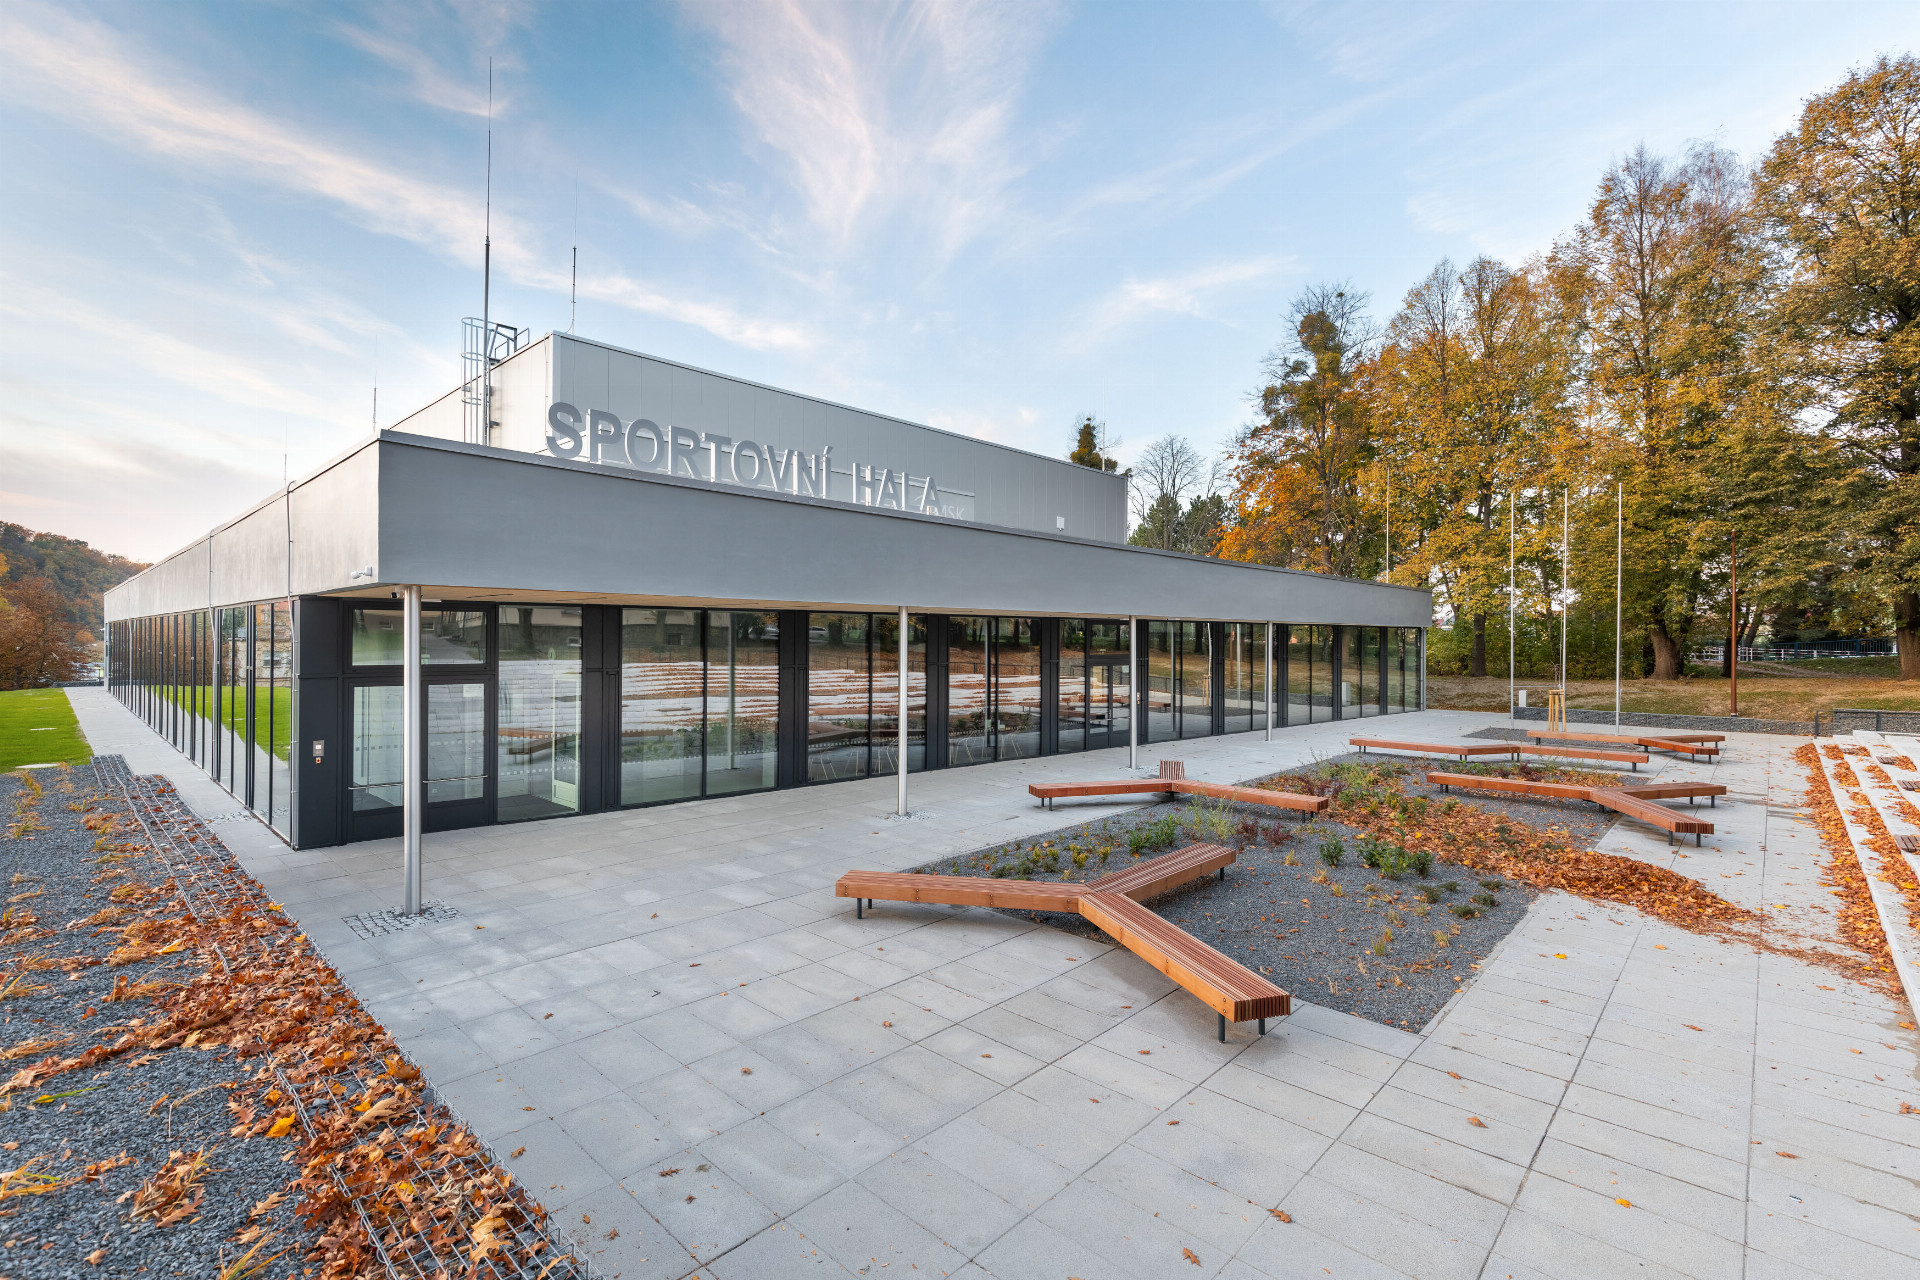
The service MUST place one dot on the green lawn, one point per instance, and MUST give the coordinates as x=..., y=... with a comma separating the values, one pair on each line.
x=37, y=727
x=275, y=701
x=1887, y=667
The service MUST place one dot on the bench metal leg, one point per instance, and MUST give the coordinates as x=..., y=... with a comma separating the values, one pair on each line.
x=1696, y=839
x=1263, y=1026
x=859, y=908
x=1223, y=875
x=1223, y=1028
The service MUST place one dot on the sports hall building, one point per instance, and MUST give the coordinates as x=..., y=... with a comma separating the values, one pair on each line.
x=639, y=583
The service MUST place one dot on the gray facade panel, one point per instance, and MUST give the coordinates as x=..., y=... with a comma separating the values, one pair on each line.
x=479, y=520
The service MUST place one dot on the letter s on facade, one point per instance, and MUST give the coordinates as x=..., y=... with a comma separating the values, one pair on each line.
x=563, y=430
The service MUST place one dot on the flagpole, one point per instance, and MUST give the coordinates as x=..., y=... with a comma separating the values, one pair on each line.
x=1511, y=715
x=1566, y=585
x=1619, y=565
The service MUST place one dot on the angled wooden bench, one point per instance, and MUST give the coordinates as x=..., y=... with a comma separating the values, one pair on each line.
x=1685, y=743
x=1459, y=751
x=1670, y=820
x=1634, y=758
x=1233, y=991
x=1156, y=876
x=1048, y=792
x=1632, y=802
x=956, y=891
x=1112, y=902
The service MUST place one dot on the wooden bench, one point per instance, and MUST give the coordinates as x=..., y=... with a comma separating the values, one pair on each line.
x=956, y=891
x=1167, y=872
x=1229, y=988
x=1048, y=792
x=1686, y=743
x=1658, y=815
x=1634, y=758
x=1460, y=751
x=1632, y=802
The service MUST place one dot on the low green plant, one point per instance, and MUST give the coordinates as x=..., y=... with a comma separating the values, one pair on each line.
x=1464, y=911
x=1493, y=886
x=1080, y=858
x=1486, y=899
x=1451, y=886
x=1430, y=893
x=1332, y=851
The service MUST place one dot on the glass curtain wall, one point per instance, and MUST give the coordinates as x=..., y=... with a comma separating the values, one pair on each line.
x=1179, y=692
x=1093, y=705
x=1372, y=691
x=969, y=702
x=742, y=702
x=1309, y=674
x=886, y=693
x=839, y=696
x=1016, y=688
x=537, y=731
x=1244, y=693
x=662, y=704
x=218, y=685
x=993, y=689
x=1071, y=702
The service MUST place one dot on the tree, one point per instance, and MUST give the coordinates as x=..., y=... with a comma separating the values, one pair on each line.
x=1665, y=285
x=1297, y=467
x=1840, y=201
x=1168, y=470
x=39, y=643
x=1093, y=447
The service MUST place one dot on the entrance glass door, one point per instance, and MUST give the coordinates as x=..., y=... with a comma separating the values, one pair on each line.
x=455, y=758
x=1109, y=707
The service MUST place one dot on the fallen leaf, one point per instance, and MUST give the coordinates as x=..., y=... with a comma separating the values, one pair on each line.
x=886, y=1024
x=1093, y=1099
x=97, y=1257
x=986, y=1055
x=279, y=1127
x=1143, y=1051
x=587, y=1218
x=516, y=1153
x=746, y=1071
x=1624, y=1204
x=1689, y=1026
x=1476, y=1122
x=1559, y=955
x=668, y=1173
x=544, y=1017
x=1177, y=1122
x=1659, y=946
x=526, y=1108
x=1454, y=1074
x=1188, y=1254
x=1786, y=1155
x=1853, y=1051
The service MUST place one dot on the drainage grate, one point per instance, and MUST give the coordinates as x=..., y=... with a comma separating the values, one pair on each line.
x=379, y=924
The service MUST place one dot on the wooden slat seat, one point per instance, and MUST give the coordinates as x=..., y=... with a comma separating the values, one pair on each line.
x=1675, y=790
x=1166, y=873
x=1669, y=820
x=1229, y=988
x=959, y=891
x=1048, y=792
x=1685, y=748
x=1634, y=758
x=1687, y=743
x=1512, y=786
x=1254, y=795
x=1458, y=750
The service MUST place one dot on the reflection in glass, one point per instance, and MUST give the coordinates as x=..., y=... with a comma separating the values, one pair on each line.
x=538, y=735
x=742, y=702
x=374, y=750
x=839, y=696
x=1161, y=724
x=446, y=636
x=1245, y=670
x=1109, y=705
x=456, y=764
x=1371, y=693
x=1193, y=653
x=279, y=692
x=1016, y=689
x=968, y=740
x=886, y=693
x=1071, y=713
x=662, y=699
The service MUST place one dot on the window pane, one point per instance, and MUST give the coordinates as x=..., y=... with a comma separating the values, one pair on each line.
x=1109, y=705
x=1072, y=709
x=446, y=636
x=839, y=696
x=456, y=742
x=1195, y=699
x=538, y=738
x=278, y=692
x=374, y=761
x=1321, y=640
x=1239, y=693
x=1160, y=680
x=1016, y=688
x=743, y=701
x=886, y=692
x=1369, y=682
x=661, y=699
x=967, y=738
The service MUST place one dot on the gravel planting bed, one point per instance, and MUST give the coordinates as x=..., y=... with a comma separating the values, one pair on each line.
x=143, y=1106
x=1347, y=936
x=1655, y=720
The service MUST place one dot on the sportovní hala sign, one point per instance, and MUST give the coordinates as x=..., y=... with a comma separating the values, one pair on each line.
x=599, y=436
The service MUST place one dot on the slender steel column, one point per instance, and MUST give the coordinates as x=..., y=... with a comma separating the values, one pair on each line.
x=412, y=732
x=903, y=711
x=1133, y=692
x=1270, y=702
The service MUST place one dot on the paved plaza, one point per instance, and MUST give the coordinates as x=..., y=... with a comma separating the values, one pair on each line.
x=707, y=1066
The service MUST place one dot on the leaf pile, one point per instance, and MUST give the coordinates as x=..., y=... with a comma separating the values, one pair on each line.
x=1893, y=868
x=382, y=1172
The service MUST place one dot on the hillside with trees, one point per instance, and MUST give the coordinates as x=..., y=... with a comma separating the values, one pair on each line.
x=50, y=605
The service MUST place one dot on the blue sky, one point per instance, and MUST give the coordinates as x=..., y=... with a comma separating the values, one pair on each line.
x=220, y=222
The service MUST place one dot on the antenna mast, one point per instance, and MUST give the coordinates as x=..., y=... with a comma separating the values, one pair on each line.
x=573, y=285
x=486, y=285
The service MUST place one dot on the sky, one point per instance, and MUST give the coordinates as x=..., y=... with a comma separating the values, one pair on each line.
x=223, y=225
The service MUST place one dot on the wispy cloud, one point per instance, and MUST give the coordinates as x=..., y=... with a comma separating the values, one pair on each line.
x=1182, y=294
x=878, y=107
x=79, y=70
